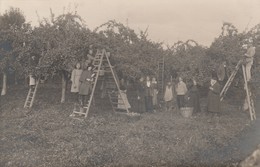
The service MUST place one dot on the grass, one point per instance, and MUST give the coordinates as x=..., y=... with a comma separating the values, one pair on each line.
x=47, y=136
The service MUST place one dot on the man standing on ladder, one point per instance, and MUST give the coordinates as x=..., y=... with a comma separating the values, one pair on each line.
x=248, y=62
x=249, y=57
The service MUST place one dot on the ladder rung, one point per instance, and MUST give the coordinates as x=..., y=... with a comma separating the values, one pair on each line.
x=118, y=103
x=109, y=77
x=116, y=108
x=77, y=112
x=110, y=82
x=113, y=97
x=113, y=92
x=111, y=86
x=99, y=59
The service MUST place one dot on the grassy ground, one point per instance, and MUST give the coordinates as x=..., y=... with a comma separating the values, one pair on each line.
x=47, y=136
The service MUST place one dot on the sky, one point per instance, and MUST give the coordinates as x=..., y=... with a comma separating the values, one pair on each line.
x=167, y=21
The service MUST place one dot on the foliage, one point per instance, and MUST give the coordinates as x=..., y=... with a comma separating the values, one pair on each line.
x=12, y=28
x=133, y=53
x=185, y=59
x=59, y=42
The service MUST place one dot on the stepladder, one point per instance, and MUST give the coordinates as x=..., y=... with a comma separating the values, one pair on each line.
x=102, y=64
x=31, y=95
x=161, y=77
x=229, y=81
x=249, y=100
x=117, y=96
x=249, y=96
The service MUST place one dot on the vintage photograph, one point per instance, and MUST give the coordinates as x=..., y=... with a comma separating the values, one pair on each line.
x=135, y=83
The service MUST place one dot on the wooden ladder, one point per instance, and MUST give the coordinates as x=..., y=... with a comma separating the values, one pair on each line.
x=229, y=81
x=31, y=96
x=114, y=93
x=161, y=77
x=101, y=59
x=249, y=98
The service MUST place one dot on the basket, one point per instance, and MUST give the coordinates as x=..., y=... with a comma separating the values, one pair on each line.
x=186, y=111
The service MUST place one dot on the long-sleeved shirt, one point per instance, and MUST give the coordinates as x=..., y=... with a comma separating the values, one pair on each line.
x=181, y=88
x=250, y=52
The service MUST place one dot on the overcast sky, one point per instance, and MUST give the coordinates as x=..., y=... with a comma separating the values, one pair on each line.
x=168, y=20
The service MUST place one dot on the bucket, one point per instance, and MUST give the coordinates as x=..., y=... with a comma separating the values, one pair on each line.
x=186, y=112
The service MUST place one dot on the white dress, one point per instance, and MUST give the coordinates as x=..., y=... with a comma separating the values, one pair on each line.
x=31, y=80
x=168, y=96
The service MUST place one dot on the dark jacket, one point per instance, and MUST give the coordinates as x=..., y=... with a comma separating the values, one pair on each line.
x=85, y=86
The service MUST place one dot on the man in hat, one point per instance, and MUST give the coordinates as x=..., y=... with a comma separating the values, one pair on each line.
x=213, y=104
x=249, y=57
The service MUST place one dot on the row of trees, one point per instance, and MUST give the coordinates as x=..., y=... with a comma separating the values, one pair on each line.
x=58, y=42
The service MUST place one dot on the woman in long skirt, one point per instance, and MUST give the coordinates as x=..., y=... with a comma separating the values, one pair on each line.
x=85, y=86
x=213, y=96
x=194, y=97
x=140, y=95
x=154, y=92
x=75, y=76
x=168, y=96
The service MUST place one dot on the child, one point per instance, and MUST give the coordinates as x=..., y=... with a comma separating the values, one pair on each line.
x=168, y=96
x=75, y=76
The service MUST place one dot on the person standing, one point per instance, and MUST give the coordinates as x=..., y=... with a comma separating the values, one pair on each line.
x=90, y=56
x=194, y=96
x=140, y=95
x=249, y=58
x=154, y=93
x=148, y=95
x=222, y=73
x=213, y=104
x=168, y=96
x=85, y=86
x=75, y=76
x=181, y=90
x=32, y=66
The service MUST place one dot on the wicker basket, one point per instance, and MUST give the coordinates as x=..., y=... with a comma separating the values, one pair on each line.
x=186, y=111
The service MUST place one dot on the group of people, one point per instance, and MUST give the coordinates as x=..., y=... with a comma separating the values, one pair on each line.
x=148, y=95
x=81, y=85
x=82, y=79
x=148, y=90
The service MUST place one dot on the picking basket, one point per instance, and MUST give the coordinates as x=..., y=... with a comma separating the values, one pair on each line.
x=186, y=111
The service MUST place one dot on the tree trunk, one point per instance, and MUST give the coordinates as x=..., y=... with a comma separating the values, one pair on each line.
x=63, y=87
x=4, y=88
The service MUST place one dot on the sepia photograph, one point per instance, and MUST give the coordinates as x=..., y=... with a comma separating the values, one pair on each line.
x=130, y=83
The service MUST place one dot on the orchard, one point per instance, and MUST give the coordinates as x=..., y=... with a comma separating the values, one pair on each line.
x=47, y=136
